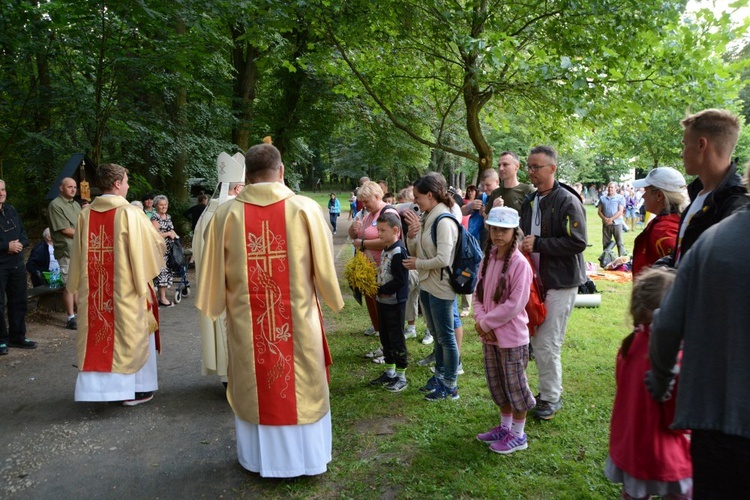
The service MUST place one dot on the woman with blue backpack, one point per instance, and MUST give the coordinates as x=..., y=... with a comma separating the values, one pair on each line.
x=431, y=258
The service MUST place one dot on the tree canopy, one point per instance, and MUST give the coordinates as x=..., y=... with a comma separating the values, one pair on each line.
x=387, y=89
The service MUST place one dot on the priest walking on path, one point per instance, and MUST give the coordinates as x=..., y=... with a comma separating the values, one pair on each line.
x=265, y=253
x=116, y=254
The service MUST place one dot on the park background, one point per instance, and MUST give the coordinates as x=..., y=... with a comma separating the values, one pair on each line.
x=388, y=89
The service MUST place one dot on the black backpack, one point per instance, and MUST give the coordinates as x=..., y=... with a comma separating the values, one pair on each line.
x=462, y=275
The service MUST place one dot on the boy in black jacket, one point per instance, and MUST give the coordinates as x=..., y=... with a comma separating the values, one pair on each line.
x=393, y=290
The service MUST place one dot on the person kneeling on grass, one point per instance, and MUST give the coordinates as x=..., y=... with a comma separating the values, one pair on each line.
x=393, y=290
x=501, y=321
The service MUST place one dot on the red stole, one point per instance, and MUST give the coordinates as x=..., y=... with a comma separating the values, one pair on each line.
x=271, y=308
x=100, y=342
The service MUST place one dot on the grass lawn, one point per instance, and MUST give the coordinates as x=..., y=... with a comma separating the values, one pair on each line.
x=401, y=446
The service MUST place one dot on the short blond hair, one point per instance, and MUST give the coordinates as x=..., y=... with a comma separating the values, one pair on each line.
x=720, y=126
x=370, y=190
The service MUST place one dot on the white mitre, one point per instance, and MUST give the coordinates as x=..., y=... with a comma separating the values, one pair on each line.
x=229, y=169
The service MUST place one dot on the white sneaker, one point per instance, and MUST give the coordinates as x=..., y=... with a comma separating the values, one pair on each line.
x=375, y=354
x=371, y=331
x=379, y=360
x=427, y=339
x=410, y=332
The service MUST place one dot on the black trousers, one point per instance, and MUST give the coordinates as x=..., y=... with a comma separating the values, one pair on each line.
x=391, y=318
x=721, y=465
x=13, y=294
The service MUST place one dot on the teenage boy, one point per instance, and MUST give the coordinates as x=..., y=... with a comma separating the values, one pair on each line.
x=393, y=290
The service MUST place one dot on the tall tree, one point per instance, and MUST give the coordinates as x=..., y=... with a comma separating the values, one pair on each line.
x=557, y=62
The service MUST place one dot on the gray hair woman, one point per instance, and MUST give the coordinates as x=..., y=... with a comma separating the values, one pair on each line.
x=163, y=223
x=665, y=197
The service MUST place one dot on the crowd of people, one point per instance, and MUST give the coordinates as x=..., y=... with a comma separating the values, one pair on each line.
x=261, y=323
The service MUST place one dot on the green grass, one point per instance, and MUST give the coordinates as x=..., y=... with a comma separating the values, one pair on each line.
x=398, y=445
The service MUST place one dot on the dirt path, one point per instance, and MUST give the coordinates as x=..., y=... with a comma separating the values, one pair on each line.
x=180, y=445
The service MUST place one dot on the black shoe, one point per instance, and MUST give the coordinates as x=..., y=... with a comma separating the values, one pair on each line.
x=23, y=344
x=383, y=379
x=546, y=410
x=3, y=349
x=72, y=324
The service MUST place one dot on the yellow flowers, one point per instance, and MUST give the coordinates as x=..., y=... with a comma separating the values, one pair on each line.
x=361, y=274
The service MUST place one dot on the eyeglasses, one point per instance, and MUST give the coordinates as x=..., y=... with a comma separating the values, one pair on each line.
x=535, y=168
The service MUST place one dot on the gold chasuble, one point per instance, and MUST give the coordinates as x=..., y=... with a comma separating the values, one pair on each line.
x=116, y=254
x=264, y=254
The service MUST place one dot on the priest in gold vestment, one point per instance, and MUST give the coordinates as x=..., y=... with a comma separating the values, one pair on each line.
x=230, y=172
x=266, y=257
x=116, y=253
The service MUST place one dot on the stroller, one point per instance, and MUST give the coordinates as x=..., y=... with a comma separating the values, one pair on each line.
x=178, y=267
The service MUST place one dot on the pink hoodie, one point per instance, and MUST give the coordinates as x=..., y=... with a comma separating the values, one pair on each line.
x=508, y=317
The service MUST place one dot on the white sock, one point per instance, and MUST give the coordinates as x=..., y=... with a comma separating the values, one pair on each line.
x=517, y=428
x=71, y=316
x=506, y=420
x=390, y=370
x=401, y=373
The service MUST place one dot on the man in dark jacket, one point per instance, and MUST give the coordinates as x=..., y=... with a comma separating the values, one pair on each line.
x=708, y=141
x=12, y=278
x=705, y=313
x=39, y=259
x=554, y=220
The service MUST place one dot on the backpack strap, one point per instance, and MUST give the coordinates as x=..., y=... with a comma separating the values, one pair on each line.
x=433, y=232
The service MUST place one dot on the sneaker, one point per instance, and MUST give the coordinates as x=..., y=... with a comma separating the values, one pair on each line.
x=380, y=360
x=383, y=379
x=410, y=332
x=427, y=339
x=427, y=361
x=496, y=434
x=374, y=354
x=22, y=344
x=72, y=324
x=442, y=392
x=371, y=331
x=140, y=398
x=465, y=312
x=510, y=444
x=546, y=410
x=430, y=386
x=397, y=386
x=3, y=349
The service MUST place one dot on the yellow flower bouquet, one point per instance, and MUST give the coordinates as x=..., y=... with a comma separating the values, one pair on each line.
x=361, y=275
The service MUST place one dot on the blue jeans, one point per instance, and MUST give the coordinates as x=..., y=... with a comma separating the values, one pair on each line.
x=439, y=316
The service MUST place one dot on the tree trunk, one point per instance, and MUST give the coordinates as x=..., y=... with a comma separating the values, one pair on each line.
x=178, y=180
x=474, y=97
x=244, y=58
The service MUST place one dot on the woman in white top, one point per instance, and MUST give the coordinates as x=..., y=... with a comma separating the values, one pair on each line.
x=437, y=296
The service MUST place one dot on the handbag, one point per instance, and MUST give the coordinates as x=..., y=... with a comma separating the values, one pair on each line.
x=176, y=256
x=535, y=308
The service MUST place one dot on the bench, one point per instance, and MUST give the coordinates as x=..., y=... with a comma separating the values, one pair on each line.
x=47, y=297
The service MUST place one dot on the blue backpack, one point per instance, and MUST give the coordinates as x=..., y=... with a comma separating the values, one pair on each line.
x=462, y=275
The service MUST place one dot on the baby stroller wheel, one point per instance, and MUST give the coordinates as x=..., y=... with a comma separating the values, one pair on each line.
x=186, y=291
x=177, y=296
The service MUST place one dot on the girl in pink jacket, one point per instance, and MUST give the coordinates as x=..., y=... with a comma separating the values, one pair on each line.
x=500, y=319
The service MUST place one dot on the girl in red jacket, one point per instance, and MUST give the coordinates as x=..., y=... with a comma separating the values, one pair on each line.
x=645, y=455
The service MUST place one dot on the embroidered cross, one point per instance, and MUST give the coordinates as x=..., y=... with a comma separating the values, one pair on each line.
x=101, y=253
x=261, y=254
